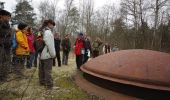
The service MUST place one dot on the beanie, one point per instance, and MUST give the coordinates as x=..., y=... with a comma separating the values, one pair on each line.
x=5, y=13
x=21, y=26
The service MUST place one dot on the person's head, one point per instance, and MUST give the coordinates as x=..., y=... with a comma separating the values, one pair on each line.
x=23, y=27
x=29, y=30
x=98, y=39
x=80, y=35
x=48, y=23
x=56, y=35
x=67, y=35
x=5, y=15
x=106, y=43
x=51, y=24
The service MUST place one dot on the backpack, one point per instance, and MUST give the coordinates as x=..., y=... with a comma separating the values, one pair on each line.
x=95, y=45
x=39, y=43
x=14, y=41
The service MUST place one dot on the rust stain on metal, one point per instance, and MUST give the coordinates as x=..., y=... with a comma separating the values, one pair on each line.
x=143, y=68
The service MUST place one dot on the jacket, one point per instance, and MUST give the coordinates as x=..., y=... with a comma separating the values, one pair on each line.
x=49, y=49
x=78, y=46
x=30, y=38
x=66, y=45
x=57, y=44
x=5, y=35
x=22, y=43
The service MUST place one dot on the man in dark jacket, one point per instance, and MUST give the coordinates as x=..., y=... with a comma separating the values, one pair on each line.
x=57, y=42
x=88, y=49
x=5, y=44
x=66, y=46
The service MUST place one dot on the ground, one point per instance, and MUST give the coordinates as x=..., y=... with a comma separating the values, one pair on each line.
x=69, y=84
x=28, y=88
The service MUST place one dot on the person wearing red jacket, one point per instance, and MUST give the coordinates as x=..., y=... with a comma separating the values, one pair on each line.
x=79, y=50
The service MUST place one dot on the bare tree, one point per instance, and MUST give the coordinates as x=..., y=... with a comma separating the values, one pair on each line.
x=48, y=9
x=69, y=6
x=89, y=10
x=156, y=41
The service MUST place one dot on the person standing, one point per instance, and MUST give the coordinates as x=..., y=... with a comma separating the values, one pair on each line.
x=30, y=38
x=5, y=44
x=47, y=55
x=57, y=42
x=88, y=49
x=22, y=50
x=66, y=46
x=79, y=50
x=96, y=47
x=106, y=48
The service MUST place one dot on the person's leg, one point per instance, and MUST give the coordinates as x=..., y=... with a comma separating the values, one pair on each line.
x=35, y=59
x=19, y=67
x=4, y=66
x=41, y=72
x=31, y=58
x=66, y=59
x=54, y=62
x=48, y=69
x=97, y=53
x=58, y=58
x=77, y=61
x=85, y=58
x=81, y=59
x=63, y=59
x=28, y=61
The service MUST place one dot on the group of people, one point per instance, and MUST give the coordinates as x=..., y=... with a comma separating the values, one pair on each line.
x=84, y=49
x=45, y=45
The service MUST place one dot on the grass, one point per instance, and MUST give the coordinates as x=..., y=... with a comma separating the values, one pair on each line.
x=26, y=89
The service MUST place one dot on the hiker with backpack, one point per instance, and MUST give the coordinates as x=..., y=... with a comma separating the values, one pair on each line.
x=47, y=55
x=30, y=38
x=96, y=47
x=5, y=44
x=22, y=50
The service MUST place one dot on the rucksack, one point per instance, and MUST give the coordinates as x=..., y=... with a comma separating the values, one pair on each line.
x=14, y=41
x=95, y=45
x=39, y=43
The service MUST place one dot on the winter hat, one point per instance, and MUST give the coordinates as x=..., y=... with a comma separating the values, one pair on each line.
x=21, y=26
x=81, y=34
x=5, y=13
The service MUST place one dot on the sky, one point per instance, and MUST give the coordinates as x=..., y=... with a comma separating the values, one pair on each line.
x=10, y=4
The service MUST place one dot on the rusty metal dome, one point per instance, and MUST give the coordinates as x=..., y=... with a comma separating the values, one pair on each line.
x=143, y=68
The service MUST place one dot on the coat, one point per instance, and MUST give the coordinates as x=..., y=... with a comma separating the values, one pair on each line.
x=22, y=43
x=79, y=45
x=30, y=38
x=49, y=49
